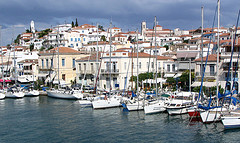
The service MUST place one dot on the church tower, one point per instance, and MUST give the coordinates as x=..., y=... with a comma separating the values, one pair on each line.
x=32, y=27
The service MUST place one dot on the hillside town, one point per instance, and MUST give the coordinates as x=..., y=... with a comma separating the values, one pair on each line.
x=109, y=58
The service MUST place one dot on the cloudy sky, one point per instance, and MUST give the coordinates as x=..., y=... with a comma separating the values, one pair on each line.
x=125, y=14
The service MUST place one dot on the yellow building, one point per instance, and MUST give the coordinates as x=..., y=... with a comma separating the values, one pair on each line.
x=48, y=64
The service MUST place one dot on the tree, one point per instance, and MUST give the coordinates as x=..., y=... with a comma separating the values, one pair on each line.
x=28, y=31
x=184, y=79
x=44, y=32
x=42, y=48
x=100, y=27
x=166, y=46
x=76, y=23
x=17, y=39
x=73, y=24
x=103, y=38
x=31, y=47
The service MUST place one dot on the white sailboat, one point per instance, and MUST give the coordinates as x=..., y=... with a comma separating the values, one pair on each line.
x=136, y=103
x=110, y=100
x=14, y=91
x=214, y=114
x=2, y=92
x=62, y=93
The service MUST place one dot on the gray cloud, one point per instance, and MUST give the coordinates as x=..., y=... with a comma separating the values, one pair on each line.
x=127, y=14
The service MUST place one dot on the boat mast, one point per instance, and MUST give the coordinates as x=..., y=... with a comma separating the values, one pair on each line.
x=190, y=75
x=2, y=55
x=201, y=72
x=58, y=56
x=96, y=62
x=156, y=54
x=218, y=49
x=137, y=70
x=110, y=43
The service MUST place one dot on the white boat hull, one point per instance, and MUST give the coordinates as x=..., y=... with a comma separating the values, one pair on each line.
x=85, y=102
x=32, y=93
x=154, y=108
x=15, y=94
x=134, y=106
x=65, y=95
x=106, y=103
x=2, y=96
x=177, y=111
x=212, y=115
x=231, y=122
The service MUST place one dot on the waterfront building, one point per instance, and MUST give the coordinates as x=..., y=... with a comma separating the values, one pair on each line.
x=48, y=64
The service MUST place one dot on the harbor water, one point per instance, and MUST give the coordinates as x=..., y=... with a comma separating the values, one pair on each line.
x=48, y=120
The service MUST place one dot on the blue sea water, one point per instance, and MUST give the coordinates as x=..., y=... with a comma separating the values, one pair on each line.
x=48, y=120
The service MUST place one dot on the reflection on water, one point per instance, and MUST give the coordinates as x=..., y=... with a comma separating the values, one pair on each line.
x=43, y=119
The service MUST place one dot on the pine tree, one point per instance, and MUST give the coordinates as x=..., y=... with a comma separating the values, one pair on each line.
x=73, y=24
x=76, y=23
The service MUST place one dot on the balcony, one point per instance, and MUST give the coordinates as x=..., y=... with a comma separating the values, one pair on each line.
x=108, y=71
x=87, y=71
x=207, y=74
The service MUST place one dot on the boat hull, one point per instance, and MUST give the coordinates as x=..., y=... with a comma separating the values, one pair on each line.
x=231, y=122
x=31, y=93
x=212, y=115
x=15, y=94
x=176, y=111
x=134, y=107
x=2, y=96
x=154, y=108
x=106, y=102
x=62, y=95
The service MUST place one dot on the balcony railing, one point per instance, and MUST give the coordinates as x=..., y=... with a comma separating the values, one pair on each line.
x=108, y=71
x=87, y=71
x=207, y=74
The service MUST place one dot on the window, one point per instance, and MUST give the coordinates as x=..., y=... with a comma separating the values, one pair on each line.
x=63, y=62
x=83, y=39
x=79, y=67
x=84, y=66
x=125, y=65
x=147, y=64
x=73, y=63
x=79, y=39
x=42, y=63
x=140, y=65
x=108, y=82
x=63, y=76
x=168, y=68
x=47, y=63
x=51, y=63
x=75, y=39
x=173, y=68
x=152, y=65
x=91, y=66
x=212, y=70
x=71, y=39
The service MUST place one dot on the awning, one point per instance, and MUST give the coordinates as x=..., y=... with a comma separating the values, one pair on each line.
x=159, y=80
x=6, y=80
x=228, y=60
x=206, y=84
x=177, y=75
x=169, y=75
x=42, y=75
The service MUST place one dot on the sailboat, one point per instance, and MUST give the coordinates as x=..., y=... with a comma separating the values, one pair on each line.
x=2, y=92
x=109, y=100
x=31, y=92
x=14, y=91
x=63, y=93
x=136, y=103
x=214, y=113
x=231, y=120
x=158, y=105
